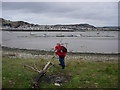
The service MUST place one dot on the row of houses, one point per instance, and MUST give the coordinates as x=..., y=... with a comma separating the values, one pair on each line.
x=46, y=27
x=56, y=27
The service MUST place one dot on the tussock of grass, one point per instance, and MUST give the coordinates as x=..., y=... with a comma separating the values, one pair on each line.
x=83, y=74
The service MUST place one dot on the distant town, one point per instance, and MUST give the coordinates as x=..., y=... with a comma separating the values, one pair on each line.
x=25, y=26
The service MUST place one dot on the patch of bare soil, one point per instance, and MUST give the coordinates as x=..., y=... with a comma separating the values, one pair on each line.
x=58, y=78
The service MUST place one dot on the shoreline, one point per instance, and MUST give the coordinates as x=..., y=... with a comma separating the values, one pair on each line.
x=52, y=52
x=49, y=55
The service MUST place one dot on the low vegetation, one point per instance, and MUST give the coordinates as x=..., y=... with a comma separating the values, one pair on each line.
x=77, y=74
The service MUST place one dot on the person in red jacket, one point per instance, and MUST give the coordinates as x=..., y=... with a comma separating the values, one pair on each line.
x=61, y=55
x=58, y=47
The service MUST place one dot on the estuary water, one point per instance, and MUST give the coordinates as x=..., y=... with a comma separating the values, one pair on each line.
x=83, y=42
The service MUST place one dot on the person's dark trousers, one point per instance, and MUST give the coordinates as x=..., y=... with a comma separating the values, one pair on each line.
x=62, y=63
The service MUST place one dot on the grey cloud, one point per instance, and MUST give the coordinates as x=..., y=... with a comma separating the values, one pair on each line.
x=89, y=11
x=36, y=7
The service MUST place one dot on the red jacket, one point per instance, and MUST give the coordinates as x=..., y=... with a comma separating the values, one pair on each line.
x=58, y=52
x=58, y=47
x=61, y=54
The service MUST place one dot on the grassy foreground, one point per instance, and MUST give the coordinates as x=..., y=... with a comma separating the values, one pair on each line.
x=79, y=73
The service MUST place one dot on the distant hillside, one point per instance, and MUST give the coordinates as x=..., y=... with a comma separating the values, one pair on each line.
x=14, y=24
x=78, y=26
x=21, y=25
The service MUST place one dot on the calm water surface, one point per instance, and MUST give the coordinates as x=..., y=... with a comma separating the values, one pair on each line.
x=90, y=42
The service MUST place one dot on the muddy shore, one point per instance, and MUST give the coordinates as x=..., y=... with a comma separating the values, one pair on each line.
x=24, y=53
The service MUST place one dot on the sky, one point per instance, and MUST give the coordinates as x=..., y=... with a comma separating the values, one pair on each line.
x=51, y=13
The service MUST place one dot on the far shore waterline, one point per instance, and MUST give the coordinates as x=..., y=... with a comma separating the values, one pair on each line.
x=20, y=30
x=54, y=30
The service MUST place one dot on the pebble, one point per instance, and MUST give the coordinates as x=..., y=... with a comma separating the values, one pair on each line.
x=3, y=77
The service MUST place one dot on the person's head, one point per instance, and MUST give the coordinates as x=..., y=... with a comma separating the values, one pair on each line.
x=62, y=44
x=58, y=44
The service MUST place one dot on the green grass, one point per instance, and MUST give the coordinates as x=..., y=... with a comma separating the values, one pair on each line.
x=83, y=74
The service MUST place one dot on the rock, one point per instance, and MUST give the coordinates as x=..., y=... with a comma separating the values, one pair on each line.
x=95, y=83
x=4, y=78
x=87, y=82
x=57, y=84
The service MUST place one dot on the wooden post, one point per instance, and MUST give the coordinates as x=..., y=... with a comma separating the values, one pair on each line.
x=32, y=68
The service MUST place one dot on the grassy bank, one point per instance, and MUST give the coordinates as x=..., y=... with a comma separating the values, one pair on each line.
x=79, y=73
